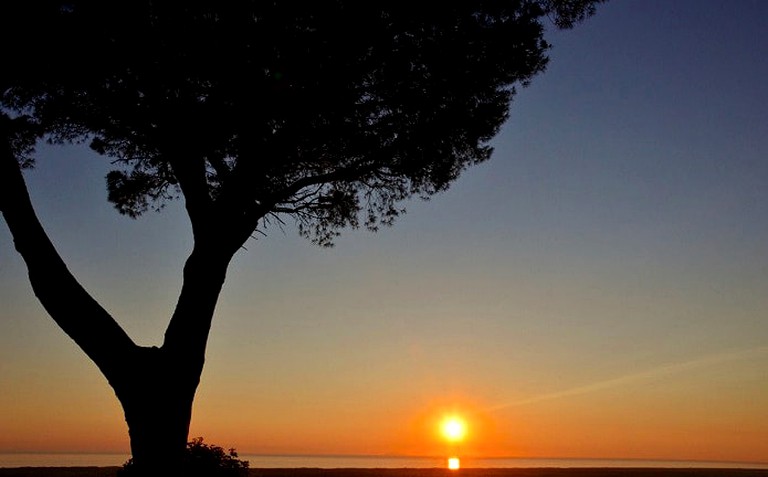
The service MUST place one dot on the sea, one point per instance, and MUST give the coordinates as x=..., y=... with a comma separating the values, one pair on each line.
x=368, y=462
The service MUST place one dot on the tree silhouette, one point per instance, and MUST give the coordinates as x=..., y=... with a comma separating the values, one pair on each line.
x=328, y=112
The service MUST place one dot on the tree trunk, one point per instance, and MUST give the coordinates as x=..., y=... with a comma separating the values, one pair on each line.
x=157, y=401
x=156, y=386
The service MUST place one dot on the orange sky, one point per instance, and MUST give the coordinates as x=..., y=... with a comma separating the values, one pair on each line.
x=690, y=411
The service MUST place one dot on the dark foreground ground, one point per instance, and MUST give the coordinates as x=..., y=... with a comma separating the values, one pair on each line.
x=544, y=472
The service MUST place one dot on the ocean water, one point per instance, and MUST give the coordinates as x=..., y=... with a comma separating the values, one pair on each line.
x=332, y=462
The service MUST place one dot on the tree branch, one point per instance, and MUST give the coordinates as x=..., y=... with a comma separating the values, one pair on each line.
x=345, y=174
x=189, y=170
x=187, y=334
x=65, y=300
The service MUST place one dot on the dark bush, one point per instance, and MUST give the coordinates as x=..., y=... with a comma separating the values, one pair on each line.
x=203, y=460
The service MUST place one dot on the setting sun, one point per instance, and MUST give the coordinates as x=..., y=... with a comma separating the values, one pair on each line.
x=453, y=428
x=454, y=463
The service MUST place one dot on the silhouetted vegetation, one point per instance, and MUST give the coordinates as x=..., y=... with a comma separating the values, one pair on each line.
x=330, y=113
x=202, y=460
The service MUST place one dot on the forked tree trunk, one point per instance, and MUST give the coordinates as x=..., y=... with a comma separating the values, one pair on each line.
x=156, y=386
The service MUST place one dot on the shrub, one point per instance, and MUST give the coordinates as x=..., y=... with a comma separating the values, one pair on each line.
x=203, y=460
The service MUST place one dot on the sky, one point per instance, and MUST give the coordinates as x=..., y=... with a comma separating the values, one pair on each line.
x=599, y=289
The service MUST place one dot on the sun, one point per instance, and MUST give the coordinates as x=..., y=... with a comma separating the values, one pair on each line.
x=453, y=428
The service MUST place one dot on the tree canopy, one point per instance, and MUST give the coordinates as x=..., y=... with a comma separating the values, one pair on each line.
x=330, y=112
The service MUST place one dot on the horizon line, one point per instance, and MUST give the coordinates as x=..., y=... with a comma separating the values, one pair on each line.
x=425, y=457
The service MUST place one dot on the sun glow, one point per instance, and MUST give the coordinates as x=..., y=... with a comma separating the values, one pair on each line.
x=453, y=428
x=453, y=463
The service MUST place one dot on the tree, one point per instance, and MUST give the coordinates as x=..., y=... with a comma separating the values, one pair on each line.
x=329, y=112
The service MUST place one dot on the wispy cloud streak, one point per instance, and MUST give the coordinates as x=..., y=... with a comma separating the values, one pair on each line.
x=654, y=373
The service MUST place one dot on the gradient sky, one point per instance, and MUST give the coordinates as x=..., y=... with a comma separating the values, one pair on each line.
x=598, y=289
